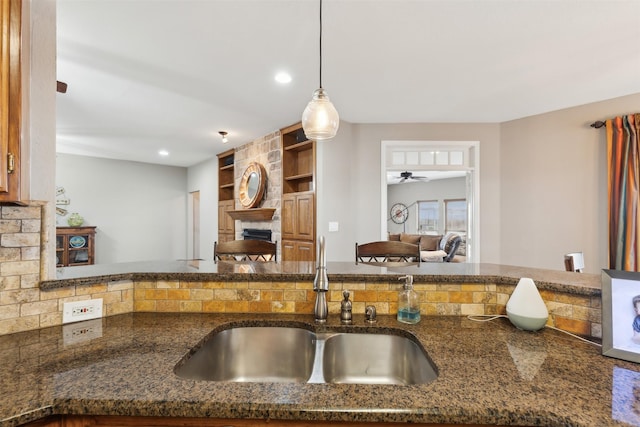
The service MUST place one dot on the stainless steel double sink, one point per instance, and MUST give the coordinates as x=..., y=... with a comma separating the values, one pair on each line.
x=289, y=354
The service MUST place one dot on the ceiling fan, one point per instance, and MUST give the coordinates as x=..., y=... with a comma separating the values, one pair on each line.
x=407, y=176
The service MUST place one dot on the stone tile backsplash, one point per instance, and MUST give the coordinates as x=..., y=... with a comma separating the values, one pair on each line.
x=23, y=306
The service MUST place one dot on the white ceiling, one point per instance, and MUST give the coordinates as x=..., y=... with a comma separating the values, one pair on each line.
x=146, y=75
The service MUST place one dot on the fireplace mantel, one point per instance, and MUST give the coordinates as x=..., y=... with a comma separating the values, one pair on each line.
x=255, y=214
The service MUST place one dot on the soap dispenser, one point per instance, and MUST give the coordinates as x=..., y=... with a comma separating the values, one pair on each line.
x=408, y=302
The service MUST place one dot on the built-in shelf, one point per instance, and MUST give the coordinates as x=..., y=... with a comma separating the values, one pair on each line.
x=255, y=214
x=301, y=176
x=299, y=146
x=227, y=185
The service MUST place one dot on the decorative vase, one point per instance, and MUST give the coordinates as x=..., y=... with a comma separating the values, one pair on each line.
x=75, y=220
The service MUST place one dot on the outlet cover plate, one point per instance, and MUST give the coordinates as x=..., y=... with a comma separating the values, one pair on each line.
x=77, y=311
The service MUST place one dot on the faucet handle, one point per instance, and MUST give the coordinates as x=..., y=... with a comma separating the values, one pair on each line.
x=370, y=314
x=345, y=308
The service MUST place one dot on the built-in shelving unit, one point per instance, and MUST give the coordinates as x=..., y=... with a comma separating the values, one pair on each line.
x=226, y=196
x=298, y=213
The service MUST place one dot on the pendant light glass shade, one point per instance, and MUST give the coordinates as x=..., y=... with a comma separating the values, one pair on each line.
x=320, y=119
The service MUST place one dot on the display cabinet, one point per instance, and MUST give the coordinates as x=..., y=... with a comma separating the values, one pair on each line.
x=75, y=246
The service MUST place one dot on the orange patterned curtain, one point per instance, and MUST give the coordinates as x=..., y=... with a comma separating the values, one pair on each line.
x=623, y=165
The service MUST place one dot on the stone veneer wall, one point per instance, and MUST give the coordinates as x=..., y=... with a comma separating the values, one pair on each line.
x=266, y=151
x=34, y=309
x=23, y=306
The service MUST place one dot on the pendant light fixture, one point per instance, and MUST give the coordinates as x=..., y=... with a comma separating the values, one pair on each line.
x=320, y=119
x=224, y=134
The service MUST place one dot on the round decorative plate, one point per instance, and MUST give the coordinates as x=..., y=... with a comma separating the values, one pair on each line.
x=77, y=242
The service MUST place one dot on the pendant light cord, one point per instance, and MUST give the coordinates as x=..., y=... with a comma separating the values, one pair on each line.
x=320, y=44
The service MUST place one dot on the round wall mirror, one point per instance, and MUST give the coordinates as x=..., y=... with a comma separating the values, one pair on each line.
x=252, y=185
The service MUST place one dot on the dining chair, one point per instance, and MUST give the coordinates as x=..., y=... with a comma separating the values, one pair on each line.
x=574, y=261
x=386, y=251
x=245, y=250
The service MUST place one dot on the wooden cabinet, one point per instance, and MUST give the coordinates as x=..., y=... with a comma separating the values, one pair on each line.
x=75, y=246
x=298, y=213
x=13, y=186
x=296, y=250
x=226, y=224
x=226, y=193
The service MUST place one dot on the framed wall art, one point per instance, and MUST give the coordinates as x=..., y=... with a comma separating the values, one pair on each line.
x=621, y=314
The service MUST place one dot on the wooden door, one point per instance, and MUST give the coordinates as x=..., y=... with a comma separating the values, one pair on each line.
x=305, y=225
x=288, y=217
x=10, y=100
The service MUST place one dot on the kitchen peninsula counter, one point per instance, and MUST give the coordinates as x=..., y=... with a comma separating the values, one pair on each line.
x=195, y=270
x=489, y=373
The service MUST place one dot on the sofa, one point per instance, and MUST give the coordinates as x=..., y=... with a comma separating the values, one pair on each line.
x=434, y=248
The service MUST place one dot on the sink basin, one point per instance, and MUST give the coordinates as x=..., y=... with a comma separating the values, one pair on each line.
x=252, y=354
x=287, y=354
x=375, y=359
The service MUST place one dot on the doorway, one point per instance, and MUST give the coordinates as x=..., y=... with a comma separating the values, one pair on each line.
x=195, y=224
x=422, y=158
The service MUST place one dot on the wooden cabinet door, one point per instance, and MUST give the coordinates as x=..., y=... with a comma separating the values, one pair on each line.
x=288, y=217
x=305, y=251
x=296, y=250
x=229, y=223
x=226, y=224
x=288, y=250
x=298, y=216
x=305, y=213
x=10, y=101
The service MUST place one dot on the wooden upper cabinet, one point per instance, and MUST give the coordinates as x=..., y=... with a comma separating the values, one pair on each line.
x=10, y=101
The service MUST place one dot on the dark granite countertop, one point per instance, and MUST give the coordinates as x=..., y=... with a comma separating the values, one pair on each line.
x=578, y=283
x=489, y=373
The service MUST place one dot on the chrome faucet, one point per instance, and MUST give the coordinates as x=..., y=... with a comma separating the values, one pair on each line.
x=321, y=286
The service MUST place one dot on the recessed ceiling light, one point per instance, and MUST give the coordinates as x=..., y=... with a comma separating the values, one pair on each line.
x=163, y=152
x=283, y=77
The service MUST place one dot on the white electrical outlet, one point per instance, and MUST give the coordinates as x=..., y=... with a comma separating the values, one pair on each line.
x=81, y=331
x=81, y=310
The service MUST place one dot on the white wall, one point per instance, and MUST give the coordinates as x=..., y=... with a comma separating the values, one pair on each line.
x=336, y=190
x=39, y=110
x=139, y=208
x=554, y=186
x=364, y=153
x=203, y=177
x=409, y=193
